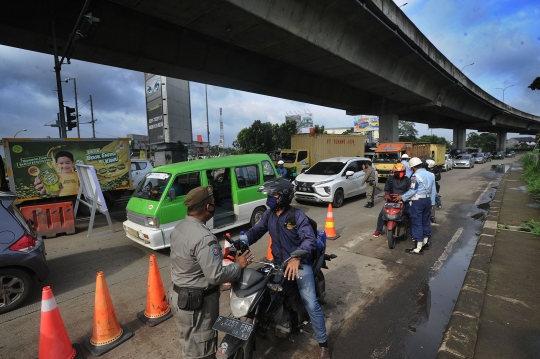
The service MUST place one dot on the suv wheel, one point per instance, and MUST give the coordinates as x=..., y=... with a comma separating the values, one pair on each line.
x=338, y=198
x=15, y=286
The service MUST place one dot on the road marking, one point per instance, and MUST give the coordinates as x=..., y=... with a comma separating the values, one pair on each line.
x=444, y=256
x=483, y=193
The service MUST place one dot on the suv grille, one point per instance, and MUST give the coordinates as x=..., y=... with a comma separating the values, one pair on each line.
x=136, y=218
x=305, y=187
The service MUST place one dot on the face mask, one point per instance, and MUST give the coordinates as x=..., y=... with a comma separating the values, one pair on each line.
x=271, y=202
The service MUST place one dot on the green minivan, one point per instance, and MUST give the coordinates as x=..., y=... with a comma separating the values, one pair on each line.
x=157, y=204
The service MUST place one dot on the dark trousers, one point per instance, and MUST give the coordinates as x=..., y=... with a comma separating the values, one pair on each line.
x=421, y=219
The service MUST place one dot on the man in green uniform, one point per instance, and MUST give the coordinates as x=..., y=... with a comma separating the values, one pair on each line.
x=369, y=178
x=196, y=273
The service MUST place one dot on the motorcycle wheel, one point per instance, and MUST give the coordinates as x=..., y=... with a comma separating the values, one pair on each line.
x=246, y=352
x=391, y=239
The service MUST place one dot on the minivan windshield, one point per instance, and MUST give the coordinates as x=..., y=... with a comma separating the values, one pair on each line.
x=288, y=157
x=463, y=157
x=152, y=186
x=386, y=158
x=326, y=168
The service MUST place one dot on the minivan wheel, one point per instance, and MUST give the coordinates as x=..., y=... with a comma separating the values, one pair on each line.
x=257, y=215
x=15, y=286
x=338, y=198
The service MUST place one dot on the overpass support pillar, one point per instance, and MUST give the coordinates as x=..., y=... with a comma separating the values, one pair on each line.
x=388, y=128
x=501, y=140
x=459, y=138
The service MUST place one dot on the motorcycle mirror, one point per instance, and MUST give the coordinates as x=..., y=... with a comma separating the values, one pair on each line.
x=299, y=253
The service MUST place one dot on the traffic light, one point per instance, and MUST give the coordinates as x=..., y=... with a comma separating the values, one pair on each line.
x=71, y=118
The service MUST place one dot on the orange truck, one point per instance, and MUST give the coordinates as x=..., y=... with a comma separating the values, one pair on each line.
x=388, y=154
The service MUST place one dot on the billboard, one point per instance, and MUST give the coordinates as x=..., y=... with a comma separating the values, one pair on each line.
x=304, y=120
x=155, y=121
x=45, y=168
x=365, y=123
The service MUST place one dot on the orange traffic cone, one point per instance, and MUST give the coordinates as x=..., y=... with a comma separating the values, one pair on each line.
x=106, y=333
x=329, y=227
x=269, y=256
x=157, y=308
x=54, y=342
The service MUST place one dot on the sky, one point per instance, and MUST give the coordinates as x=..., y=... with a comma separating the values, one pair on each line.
x=501, y=38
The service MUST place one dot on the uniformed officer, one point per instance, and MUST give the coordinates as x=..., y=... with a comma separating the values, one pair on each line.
x=196, y=273
x=405, y=160
x=422, y=196
x=369, y=178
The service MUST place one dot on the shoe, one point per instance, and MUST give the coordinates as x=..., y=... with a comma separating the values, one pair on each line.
x=411, y=251
x=433, y=220
x=426, y=246
x=376, y=234
x=325, y=353
x=440, y=207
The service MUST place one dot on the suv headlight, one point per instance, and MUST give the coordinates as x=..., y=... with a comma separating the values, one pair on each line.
x=240, y=306
x=323, y=182
x=152, y=221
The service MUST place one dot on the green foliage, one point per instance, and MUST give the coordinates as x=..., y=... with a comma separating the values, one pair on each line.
x=265, y=137
x=531, y=171
x=407, y=132
x=531, y=226
x=282, y=134
x=434, y=139
x=318, y=130
x=486, y=141
x=349, y=131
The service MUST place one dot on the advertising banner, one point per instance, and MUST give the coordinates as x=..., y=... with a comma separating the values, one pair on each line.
x=365, y=123
x=45, y=168
x=302, y=121
x=155, y=121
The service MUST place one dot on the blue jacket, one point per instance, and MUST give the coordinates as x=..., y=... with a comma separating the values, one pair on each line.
x=284, y=240
x=424, y=187
x=282, y=172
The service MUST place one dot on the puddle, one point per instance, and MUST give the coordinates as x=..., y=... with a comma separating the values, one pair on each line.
x=501, y=168
x=479, y=216
x=533, y=205
x=485, y=206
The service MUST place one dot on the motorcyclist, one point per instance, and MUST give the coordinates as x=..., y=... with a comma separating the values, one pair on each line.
x=287, y=238
x=399, y=184
x=281, y=171
x=405, y=161
x=437, y=172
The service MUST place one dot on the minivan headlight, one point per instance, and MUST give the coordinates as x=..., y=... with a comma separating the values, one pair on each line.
x=240, y=306
x=152, y=221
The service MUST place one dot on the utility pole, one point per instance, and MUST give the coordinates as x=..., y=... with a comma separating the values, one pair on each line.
x=207, y=126
x=92, y=116
x=76, y=108
x=57, y=68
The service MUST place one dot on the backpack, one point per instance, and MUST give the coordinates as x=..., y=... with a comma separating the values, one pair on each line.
x=291, y=218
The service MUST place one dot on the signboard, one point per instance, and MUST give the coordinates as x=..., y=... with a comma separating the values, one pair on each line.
x=153, y=88
x=366, y=123
x=155, y=121
x=45, y=168
x=302, y=121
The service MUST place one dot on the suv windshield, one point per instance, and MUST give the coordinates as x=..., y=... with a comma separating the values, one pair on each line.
x=386, y=158
x=463, y=157
x=152, y=186
x=288, y=157
x=326, y=168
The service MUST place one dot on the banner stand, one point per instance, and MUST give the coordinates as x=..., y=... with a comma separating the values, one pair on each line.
x=93, y=198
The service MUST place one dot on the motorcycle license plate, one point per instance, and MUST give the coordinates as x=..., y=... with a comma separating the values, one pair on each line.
x=234, y=327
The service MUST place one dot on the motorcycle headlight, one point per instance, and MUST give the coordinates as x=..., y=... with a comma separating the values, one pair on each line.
x=240, y=306
x=152, y=221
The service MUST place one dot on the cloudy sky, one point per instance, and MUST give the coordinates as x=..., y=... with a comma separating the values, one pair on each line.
x=501, y=38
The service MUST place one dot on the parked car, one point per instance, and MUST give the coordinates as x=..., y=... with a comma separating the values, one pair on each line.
x=479, y=158
x=22, y=255
x=139, y=169
x=448, y=163
x=488, y=156
x=497, y=155
x=464, y=161
x=510, y=154
x=332, y=180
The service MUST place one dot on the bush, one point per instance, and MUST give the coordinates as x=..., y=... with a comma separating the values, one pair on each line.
x=531, y=169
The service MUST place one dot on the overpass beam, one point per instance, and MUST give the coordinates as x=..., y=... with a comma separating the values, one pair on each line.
x=388, y=128
x=501, y=140
x=460, y=138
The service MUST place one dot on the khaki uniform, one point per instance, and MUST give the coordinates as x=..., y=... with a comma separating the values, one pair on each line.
x=196, y=262
x=369, y=177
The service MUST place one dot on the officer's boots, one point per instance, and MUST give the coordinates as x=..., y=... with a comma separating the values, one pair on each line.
x=369, y=205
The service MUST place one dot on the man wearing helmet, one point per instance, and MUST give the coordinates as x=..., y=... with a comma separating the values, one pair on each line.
x=405, y=161
x=287, y=238
x=281, y=171
x=431, y=167
x=422, y=194
x=398, y=184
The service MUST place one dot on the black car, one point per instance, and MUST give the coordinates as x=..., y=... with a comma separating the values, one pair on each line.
x=510, y=154
x=498, y=155
x=22, y=255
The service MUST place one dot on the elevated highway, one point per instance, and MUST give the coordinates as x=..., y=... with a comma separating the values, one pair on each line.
x=365, y=57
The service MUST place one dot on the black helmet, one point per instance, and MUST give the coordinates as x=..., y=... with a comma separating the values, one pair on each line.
x=281, y=186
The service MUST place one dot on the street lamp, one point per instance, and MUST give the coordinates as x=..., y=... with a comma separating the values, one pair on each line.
x=499, y=88
x=18, y=132
x=76, y=105
x=466, y=66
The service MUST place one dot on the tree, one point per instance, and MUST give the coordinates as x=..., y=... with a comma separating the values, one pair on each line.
x=281, y=134
x=434, y=139
x=486, y=141
x=535, y=84
x=349, y=131
x=407, y=132
x=255, y=139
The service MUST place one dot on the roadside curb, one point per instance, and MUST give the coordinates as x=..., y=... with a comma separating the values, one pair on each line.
x=459, y=340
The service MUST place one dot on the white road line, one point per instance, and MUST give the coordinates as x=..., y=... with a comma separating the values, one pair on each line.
x=439, y=263
x=483, y=193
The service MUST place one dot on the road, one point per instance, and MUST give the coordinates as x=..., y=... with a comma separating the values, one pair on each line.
x=382, y=303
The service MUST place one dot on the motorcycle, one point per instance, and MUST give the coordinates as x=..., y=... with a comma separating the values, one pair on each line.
x=264, y=300
x=395, y=219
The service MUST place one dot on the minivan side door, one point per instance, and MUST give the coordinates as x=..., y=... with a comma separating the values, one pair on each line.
x=351, y=184
x=175, y=209
x=247, y=180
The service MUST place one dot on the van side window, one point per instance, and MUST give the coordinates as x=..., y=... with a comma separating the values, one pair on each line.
x=141, y=165
x=187, y=182
x=351, y=167
x=247, y=176
x=268, y=171
x=302, y=155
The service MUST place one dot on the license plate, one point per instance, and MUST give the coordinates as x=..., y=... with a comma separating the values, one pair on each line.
x=234, y=327
x=133, y=232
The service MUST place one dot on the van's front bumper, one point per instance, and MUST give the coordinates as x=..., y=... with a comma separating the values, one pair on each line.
x=153, y=238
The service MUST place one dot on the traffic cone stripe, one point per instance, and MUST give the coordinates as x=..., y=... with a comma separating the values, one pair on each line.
x=330, y=215
x=48, y=304
x=330, y=225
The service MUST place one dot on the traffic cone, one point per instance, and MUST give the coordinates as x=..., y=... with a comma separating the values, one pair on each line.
x=329, y=227
x=54, y=341
x=269, y=256
x=157, y=308
x=107, y=334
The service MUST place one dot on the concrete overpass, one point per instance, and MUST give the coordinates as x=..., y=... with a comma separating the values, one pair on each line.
x=365, y=57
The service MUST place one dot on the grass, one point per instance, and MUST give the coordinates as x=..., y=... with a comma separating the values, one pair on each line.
x=531, y=226
x=531, y=171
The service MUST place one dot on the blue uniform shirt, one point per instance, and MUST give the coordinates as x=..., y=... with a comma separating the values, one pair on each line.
x=417, y=188
x=282, y=172
x=409, y=171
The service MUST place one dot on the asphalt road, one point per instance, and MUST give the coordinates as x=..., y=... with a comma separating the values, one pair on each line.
x=382, y=303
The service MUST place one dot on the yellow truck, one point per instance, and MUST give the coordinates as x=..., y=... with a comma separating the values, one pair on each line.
x=388, y=154
x=437, y=154
x=308, y=149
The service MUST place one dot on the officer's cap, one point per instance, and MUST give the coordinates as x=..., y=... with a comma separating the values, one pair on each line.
x=198, y=195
